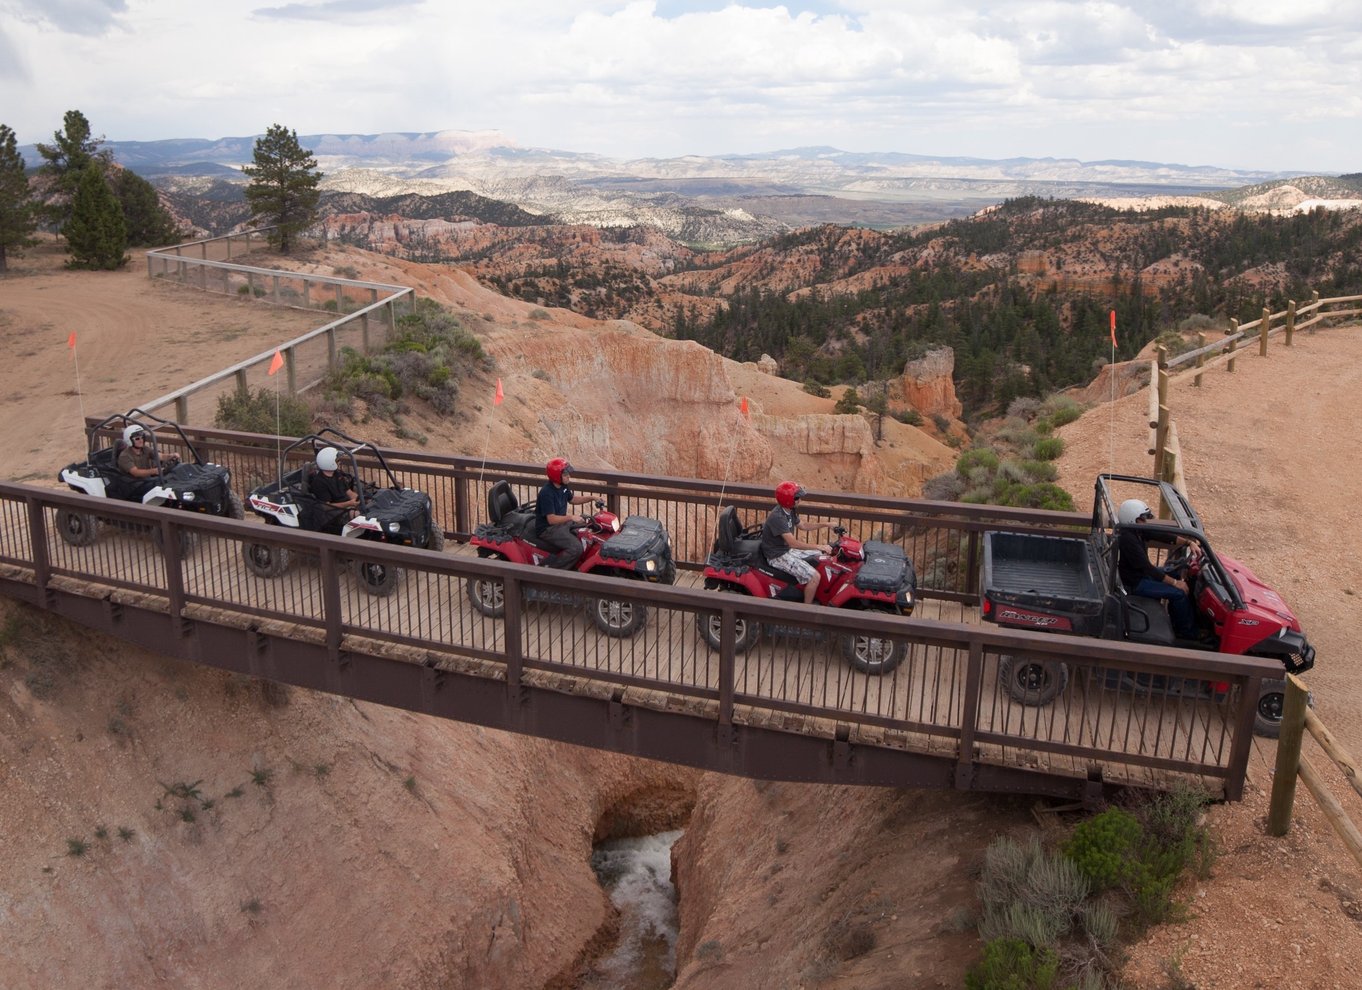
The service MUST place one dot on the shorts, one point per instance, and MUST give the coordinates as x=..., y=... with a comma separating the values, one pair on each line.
x=795, y=562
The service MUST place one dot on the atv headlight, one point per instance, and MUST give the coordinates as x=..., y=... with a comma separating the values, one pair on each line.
x=393, y=527
x=187, y=497
x=650, y=566
x=615, y=525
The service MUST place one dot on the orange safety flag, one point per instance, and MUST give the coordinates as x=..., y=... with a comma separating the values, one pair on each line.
x=71, y=341
x=743, y=405
x=1113, y=328
x=276, y=363
x=497, y=399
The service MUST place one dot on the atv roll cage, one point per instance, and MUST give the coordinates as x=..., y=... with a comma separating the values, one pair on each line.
x=133, y=417
x=347, y=446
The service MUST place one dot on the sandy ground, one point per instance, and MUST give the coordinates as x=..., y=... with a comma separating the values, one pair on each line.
x=1272, y=465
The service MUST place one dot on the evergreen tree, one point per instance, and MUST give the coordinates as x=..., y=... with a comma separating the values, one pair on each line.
x=71, y=152
x=17, y=208
x=283, y=190
x=149, y=224
x=96, y=233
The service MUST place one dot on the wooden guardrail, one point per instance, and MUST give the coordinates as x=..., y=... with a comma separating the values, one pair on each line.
x=1297, y=719
x=307, y=358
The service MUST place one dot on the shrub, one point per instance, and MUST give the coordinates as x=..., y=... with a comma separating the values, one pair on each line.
x=941, y=422
x=1011, y=964
x=263, y=411
x=1060, y=410
x=978, y=457
x=946, y=487
x=814, y=388
x=909, y=416
x=849, y=403
x=1047, y=448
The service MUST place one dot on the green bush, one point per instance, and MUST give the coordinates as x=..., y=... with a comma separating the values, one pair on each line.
x=814, y=388
x=1060, y=410
x=263, y=411
x=1011, y=964
x=909, y=416
x=1047, y=448
x=849, y=404
x=978, y=457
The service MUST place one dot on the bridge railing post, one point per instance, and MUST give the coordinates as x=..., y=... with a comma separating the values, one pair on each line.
x=42, y=566
x=511, y=638
x=969, y=715
x=174, y=565
x=331, y=603
x=727, y=663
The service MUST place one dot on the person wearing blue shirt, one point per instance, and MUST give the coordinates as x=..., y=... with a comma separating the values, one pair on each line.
x=554, y=525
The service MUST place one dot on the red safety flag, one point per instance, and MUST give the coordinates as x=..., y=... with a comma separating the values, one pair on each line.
x=743, y=405
x=497, y=399
x=276, y=363
x=1113, y=328
x=71, y=341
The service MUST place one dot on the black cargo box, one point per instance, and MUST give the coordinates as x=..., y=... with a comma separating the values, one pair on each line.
x=886, y=568
x=640, y=538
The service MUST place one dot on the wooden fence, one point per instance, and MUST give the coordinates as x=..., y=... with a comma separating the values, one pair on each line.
x=363, y=308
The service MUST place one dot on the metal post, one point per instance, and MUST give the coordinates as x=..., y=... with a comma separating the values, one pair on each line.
x=1290, y=320
x=1263, y=327
x=1288, y=758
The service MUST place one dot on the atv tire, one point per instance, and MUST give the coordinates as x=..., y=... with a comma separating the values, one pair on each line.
x=1032, y=682
x=376, y=577
x=617, y=616
x=235, y=510
x=437, y=538
x=873, y=654
x=186, y=538
x=746, y=632
x=265, y=561
x=80, y=529
x=488, y=595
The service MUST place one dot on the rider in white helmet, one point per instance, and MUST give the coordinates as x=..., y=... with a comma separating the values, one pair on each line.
x=1142, y=577
x=136, y=459
x=333, y=488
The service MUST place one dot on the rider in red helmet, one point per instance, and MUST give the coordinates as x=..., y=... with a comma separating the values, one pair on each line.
x=782, y=548
x=553, y=522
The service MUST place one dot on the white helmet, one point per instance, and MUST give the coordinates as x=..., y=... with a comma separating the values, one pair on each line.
x=326, y=458
x=132, y=430
x=1132, y=510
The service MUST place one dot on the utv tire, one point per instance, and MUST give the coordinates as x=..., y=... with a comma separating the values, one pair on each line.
x=80, y=529
x=265, y=561
x=746, y=632
x=1032, y=682
x=488, y=595
x=1267, y=716
x=235, y=510
x=873, y=654
x=187, y=540
x=376, y=577
x=617, y=616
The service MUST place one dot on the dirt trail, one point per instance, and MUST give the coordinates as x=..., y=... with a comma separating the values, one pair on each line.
x=1273, y=466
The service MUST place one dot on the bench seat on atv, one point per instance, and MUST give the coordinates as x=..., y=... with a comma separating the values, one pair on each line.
x=509, y=519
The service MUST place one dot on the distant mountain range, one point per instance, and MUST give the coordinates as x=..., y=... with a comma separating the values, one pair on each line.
x=728, y=197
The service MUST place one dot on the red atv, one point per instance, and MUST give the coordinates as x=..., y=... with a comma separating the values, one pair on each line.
x=638, y=550
x=872, y=576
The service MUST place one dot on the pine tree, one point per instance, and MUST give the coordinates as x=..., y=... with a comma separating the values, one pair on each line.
x=283, y=190
x=64, y=162
x=17, y=207
x=149, y=224
x=96, y=233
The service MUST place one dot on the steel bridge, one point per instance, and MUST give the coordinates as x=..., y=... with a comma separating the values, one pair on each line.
x=790, y=709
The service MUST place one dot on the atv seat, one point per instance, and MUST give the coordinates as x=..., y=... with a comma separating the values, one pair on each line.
x=731, y=540
x=504, y=509
x=501, y=501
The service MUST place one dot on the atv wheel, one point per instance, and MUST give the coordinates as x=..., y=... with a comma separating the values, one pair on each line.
x=1267, y=717
x=488, y=595
x=873, y=654
x=376, y=577
x=1032, y=682
x=79, y=529
x=437, y=538
x=746, y=632
x=235, y=510
x=186, y=539
x=668, y=573
x=617, y=617
x=263, y=560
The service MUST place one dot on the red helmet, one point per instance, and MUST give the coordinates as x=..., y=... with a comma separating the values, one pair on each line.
x=556, y=468
x=788, y=493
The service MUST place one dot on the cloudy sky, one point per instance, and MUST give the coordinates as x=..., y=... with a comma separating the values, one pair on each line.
x=1269, y=84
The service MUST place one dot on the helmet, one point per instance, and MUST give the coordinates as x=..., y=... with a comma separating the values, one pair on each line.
x=133, y=430
x=1132, y=510
x=787, y=493
x=326, y=458
x=556, y=468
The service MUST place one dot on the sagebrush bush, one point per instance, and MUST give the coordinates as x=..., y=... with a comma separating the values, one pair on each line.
x=263, y=411
x=1011, y=964
x=1047, y=448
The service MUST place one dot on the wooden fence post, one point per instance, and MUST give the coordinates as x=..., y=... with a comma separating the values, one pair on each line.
x=1288, y=758
x=291, y=369
x=1314, y=301
x=1161, y=441
x=1290, y=320
x=182, y=409
x=241, y=381
x=1200, y=358
x=1263, y=326
x=1234, y=343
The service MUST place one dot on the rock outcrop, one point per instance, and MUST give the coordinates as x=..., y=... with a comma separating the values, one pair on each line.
x=926, y=385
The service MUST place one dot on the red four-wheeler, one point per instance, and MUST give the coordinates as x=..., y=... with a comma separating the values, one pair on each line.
x=1070, y=585
x=873, y=576
x=193, y=485
x=638, y=550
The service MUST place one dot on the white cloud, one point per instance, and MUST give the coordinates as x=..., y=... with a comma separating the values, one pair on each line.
x=1194, y=81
